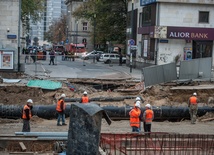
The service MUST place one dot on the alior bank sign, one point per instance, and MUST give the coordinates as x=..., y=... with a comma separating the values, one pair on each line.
x=190, y=33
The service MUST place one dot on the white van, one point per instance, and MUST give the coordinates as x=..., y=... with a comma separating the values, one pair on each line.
x=111, y=58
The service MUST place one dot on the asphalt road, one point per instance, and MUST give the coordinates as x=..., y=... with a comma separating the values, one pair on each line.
x=79, y=69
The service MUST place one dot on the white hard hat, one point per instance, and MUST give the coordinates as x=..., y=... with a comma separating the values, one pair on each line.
x=148, y=106
x=137, y=104
x=29, y=101
x=195, y=94
x=85, y=93
x=63, y=95
x=137, y=99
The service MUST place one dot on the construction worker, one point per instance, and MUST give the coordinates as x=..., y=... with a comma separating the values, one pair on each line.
x=148, y=116
x=60, y=108
x=85, y=98
x=135, y=117
x=26, y=115
x=193, y=107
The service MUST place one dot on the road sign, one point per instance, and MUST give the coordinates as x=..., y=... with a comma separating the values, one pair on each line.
x=131, y=42
x=133, y=47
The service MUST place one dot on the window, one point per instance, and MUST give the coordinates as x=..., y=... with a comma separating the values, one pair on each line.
x=146, y=16
x=203, y=17
x=140, y=20
x=84, y=26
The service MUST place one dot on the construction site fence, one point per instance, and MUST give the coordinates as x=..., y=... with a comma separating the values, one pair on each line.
x=156, y=144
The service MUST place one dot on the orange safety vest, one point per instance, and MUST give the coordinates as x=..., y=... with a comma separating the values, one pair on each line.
x=193, y=100
x=149, y=115
x=134, y=117
x=24, y=114
x=85, y=99
x=58, y=106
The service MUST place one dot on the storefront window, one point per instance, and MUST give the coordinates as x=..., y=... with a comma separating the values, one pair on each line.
x=202, y=49
x=148, y=46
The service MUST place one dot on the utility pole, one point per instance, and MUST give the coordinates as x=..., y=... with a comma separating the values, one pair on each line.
x=132, y=33
x=94, y=36
x=19, y=32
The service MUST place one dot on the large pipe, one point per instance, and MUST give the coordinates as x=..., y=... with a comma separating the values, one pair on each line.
x=114, y=112
x=102, y=99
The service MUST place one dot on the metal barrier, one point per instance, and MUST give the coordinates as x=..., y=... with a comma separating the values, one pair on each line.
x=156, y=144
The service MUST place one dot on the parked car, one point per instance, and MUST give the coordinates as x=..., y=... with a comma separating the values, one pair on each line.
x=93, y=54
x=111, y=58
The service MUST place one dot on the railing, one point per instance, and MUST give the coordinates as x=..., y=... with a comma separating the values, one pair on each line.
x=157, y=144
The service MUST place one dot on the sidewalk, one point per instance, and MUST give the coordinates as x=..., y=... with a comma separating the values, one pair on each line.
x=75, y=69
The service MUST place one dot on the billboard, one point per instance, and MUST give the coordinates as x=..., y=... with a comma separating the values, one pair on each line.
x=6, y=59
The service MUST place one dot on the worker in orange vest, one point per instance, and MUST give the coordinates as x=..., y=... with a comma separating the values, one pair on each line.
x=193, y=107
x=85, y=98
x=148, y=116
x=26, y=115
x=60, y=108
x=135, y=117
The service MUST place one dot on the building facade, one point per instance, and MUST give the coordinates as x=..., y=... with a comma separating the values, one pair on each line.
x=9, y=34
x=54, y=11
x=173, y=30
x=78, y=29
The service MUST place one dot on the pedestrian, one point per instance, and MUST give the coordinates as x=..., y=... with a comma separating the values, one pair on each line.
x=52, y=57
x=148, y=116
x=26, y=115
x=193, y=107
x=60, y=108
x=135, y=117
x=85, y=99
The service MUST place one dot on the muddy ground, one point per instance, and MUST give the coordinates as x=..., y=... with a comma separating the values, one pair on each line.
x=17, y=94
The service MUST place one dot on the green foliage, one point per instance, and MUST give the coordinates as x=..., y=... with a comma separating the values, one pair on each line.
x=110, y=20
x=57, y=31
x=32, y=8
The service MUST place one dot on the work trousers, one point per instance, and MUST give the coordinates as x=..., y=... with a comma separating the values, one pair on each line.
x=61, y=116
x=193, y=112
x=26, y=125
x=135, y=129
x=51, y=61
x=147, y=127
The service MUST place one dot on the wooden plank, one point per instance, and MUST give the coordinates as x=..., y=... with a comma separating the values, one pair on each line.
x=23, y=147
x=21, y=153
x=207, y=119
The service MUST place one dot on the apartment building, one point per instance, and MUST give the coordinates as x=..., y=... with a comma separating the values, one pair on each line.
x=54, y=11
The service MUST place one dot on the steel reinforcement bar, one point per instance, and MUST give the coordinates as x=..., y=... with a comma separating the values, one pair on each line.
x=157, y=144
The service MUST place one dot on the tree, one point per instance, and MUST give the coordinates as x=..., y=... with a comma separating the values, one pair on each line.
x=57, y=31
x=110, y=19
x=33, y=10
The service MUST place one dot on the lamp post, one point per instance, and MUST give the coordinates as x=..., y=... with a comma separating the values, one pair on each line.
x=132, y=34
x=19, y=32
x=67, y=34
x=59, y=35
x=76, y=37
x=94, y=36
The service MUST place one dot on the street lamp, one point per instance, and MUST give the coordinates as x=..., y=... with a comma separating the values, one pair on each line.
x=94, y=36
x=132, y=33
x=59, y=36
x=76, y=37
x=19, y=32
x=67, y=34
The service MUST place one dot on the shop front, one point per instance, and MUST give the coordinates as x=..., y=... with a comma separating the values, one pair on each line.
x=164, y=43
